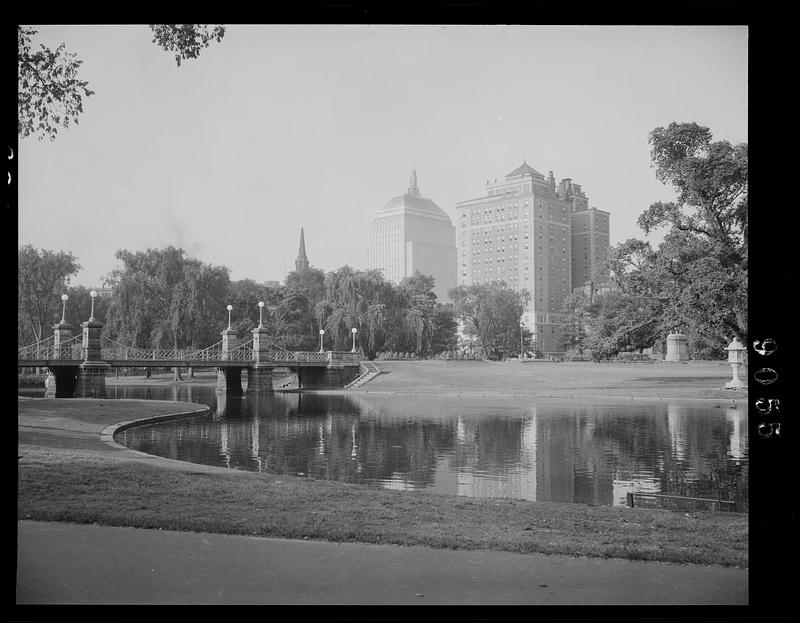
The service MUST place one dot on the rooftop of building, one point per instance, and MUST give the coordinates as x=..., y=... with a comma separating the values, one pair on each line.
x=523, y=170
x=414, y=200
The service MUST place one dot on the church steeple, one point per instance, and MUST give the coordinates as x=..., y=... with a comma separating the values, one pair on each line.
x=301, y=263
x=412, y=184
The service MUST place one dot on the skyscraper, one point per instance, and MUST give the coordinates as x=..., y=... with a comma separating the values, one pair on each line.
x=532, y=235
x=301, y=262
x=411, y=233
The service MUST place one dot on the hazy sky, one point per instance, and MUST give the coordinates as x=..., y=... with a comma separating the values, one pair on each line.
x=279, y=127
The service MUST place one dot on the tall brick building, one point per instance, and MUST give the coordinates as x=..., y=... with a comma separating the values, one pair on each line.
x=412, y=233
x=534, y=235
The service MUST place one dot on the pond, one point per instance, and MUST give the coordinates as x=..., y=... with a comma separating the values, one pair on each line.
x=531, y=449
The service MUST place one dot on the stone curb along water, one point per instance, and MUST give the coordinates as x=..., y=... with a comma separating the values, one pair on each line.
x=107, y=434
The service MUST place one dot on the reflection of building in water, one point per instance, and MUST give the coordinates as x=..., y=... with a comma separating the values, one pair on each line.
x=222, y=403
x=556, y=460
x=529, y=449
x=397, y=482
x=677, y=425
x=223, y=444
x=255, y=448
x=738, y=436
x=490, y=459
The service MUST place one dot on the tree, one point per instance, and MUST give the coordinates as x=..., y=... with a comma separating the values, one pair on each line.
x=577, y=320
x=79, y=307
x=418, y=319
x=200, y=297
x=50, y=93
x=186, y=40
x=619, y=322
x=492, y=312
x=298, y=324
x=162, y=298
x=42, y=277
x=697, y=277
x=445, y=334
x=310, y=281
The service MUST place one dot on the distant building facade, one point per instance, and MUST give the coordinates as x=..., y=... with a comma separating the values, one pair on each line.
x=590, y=246
x=537, y=236
x=411, y=233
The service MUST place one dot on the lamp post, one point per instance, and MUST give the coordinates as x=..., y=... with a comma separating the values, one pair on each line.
x=354, y=330
x=64, y=299
x=229, y=308
x=260, y=316
x=736, y=353
x=321, y=333
x=93, y=294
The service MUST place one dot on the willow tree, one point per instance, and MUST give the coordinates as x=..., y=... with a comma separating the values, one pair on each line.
x=162, y=298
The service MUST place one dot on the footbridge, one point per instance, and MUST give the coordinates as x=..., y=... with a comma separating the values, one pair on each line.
x=77, y=365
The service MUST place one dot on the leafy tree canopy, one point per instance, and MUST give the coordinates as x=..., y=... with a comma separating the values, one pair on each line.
x=492, y=311
x=42, y=277
x=163, y=298
x=186, y=40
x=696, y=279
x=50, y=92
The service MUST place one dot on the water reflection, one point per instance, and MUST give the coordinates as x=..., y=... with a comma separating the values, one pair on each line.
x=477, y=447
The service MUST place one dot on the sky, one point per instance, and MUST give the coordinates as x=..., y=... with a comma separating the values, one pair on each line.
x=281, y=127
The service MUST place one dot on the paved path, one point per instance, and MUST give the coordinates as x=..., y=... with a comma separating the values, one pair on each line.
x=61, y=563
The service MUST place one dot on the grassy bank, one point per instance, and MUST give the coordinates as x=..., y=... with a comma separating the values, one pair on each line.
x=129, y=494
x=66, y=473
x=692, y=380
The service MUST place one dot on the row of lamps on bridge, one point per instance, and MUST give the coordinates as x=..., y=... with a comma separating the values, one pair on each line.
x=93, y=294
x=65, y=298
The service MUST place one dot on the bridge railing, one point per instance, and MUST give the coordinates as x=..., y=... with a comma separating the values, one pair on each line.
x=299, y=357
x=46, y=349
x=72, y=349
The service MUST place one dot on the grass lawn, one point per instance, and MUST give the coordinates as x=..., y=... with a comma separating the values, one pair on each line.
x=66, y=473
x=691, y=380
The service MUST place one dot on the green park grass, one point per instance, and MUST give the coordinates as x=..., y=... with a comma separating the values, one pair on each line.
x=653, y=381
x=129, y=494
x=67, y=473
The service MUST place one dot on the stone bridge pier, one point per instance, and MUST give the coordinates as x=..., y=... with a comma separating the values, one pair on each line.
x=87, y=380
x=259, y=370
x=259, y=375
x=92, y=372
x=61, y=380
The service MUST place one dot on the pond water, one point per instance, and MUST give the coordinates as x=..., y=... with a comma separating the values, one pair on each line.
x=530, y=449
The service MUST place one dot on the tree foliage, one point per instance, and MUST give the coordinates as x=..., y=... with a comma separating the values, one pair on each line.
x=493, y=313
x=50, y=93
x=609, y=323
x=186, y=40
x=402, y=318
x=696, y=279
x=79, y=307
x=42, y=277
x=164, y=299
